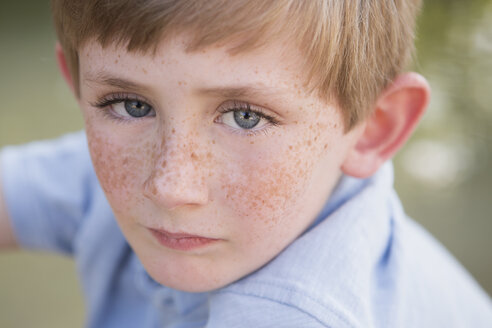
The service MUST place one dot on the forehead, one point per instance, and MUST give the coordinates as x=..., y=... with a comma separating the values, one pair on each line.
x=276, y=65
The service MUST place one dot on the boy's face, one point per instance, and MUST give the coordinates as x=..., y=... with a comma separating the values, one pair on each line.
x=228, y=149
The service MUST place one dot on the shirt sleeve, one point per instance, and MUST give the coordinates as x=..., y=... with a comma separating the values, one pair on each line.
x=239, y=310
x=47, y=188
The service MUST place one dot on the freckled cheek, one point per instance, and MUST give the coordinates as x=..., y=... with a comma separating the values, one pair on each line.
x=120, y=169
x=265, y=190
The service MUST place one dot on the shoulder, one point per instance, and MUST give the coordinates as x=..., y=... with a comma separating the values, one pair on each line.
x=72, y=144
x=50, y=188
x=436, y=285
x=263, y=304
x=49, y=164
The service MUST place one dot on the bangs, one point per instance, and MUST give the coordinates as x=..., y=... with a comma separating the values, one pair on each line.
x=351, y=49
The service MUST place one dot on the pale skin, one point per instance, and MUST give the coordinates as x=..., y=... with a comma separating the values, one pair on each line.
x=7, y=239
x=187, y=165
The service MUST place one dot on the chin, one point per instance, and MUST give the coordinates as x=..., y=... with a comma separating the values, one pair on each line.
x=187, y=278
x=187, y=283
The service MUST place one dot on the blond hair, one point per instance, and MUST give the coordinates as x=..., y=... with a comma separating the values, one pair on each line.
x=352, y=48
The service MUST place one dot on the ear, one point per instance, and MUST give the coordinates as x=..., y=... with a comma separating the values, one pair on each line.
x=396, y=114
x=63, y=67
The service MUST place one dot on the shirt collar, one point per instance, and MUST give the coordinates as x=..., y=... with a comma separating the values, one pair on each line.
x=347, y=187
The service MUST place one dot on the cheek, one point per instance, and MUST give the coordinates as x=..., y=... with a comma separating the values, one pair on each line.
x=272, y=185
x=119, y=167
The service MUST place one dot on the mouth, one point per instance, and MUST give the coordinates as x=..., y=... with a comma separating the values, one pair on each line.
x=181, y=241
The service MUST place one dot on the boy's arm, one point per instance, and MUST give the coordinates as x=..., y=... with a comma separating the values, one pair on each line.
x=47, y=189
x=7, y=239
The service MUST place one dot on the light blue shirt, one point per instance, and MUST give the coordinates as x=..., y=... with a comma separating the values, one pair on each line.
x=363, y=263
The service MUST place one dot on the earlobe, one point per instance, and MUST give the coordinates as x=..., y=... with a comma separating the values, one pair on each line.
x=396, y=114
x=62, y=65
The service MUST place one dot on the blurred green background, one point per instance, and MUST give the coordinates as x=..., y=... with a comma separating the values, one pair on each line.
x=442, y=175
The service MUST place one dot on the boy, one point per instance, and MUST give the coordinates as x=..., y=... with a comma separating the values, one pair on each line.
x=240, y=148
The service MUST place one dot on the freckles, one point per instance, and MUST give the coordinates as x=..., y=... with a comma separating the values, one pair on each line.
x=117, y=168
x=149, y=150
x=178, y=162
x=266, y=191
x=267, y=194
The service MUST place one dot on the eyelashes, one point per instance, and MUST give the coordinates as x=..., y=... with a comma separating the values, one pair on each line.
x=125, y=107
x=238, y=116
x=115, y=98
x=244, y=117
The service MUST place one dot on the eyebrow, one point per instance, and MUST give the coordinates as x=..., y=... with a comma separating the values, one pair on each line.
x=229, y=92
x=246, y=91
x=103, y=78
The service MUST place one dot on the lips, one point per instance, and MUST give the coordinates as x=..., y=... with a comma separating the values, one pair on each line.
x=181, y=241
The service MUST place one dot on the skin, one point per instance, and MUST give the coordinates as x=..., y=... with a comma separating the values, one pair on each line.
x=7, y=238
x=188, y=169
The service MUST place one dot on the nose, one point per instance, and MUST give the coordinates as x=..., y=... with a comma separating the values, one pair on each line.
x=177, y=178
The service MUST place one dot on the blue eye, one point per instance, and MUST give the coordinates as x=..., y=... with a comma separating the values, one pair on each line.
x=124, y=107
x=246, y=119
x=135, y=108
